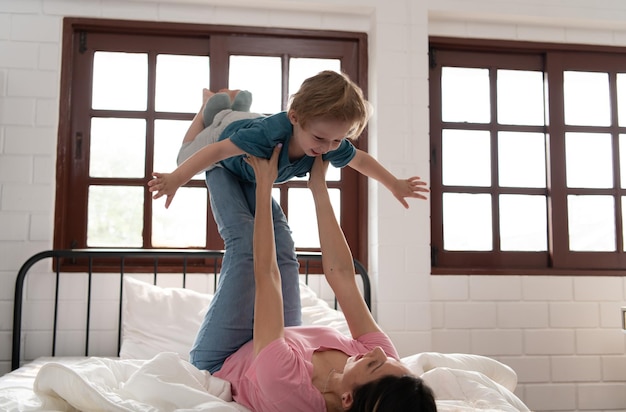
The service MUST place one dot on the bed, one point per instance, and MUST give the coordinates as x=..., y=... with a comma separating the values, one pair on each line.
x=115, y=339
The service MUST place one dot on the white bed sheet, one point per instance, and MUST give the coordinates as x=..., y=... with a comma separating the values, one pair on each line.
x=461, y=382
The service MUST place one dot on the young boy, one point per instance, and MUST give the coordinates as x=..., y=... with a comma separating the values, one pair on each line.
x=325, y=114
x=327, y=111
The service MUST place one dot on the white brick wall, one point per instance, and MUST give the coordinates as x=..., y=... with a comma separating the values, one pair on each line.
x=561, y=334
x=565, y=341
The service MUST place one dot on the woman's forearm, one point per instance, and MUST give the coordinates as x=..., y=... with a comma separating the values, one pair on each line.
x=336, y=255
x=264, y=247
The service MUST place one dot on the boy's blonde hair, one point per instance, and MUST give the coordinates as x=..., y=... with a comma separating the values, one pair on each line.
x=333, y=96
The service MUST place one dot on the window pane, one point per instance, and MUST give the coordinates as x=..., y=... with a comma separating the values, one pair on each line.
x=586, y=98
x=465, y=95
x=117, y=147
x=120, y=81
x=588, y=160
x=523, y=224
x=467, y=222
x=622, y=160
x=521, y=159
x=466, y=158
x=591, y=223
x=621, y=98
x=183, y=224
x=168, y=135
x=115, y=216
x=179, y=82
x=301, y=69
x=520, y=97
x=262, y=76
x=333, y=174
x=276, y=194
x=302, y=217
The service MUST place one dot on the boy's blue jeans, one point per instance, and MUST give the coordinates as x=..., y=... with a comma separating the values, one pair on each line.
x=229, y=320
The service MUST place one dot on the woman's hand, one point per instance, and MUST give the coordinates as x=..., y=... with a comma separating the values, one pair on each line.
x=317, y=175
x=265, y=170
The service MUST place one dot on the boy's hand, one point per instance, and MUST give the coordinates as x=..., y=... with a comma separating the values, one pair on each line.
x=265, y=170
x=411, y=187
x=163, y=184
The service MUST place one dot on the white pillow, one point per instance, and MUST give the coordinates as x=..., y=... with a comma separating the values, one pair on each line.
x=471, y=388
x=493, y=369
x=157, y=319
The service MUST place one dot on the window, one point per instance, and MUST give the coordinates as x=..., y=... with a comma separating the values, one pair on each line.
x=528, y=160
x=130, y=90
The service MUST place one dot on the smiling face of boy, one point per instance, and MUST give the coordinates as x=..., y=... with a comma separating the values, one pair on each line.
x=317, y=137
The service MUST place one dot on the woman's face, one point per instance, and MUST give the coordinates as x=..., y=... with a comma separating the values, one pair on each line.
x=320, y=136
x=373, y=365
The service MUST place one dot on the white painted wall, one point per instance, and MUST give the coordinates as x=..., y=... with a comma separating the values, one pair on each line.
x=562, y=335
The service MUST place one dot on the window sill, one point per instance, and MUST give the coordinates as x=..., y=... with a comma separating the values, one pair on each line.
x=439, y=271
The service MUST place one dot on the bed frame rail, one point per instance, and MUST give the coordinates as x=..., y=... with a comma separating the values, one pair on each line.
x=152, y=258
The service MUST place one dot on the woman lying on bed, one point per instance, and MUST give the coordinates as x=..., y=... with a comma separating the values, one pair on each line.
x=315, y=368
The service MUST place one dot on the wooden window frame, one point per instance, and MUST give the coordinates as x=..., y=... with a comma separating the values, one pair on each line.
x=79, y=35
x=553, y=60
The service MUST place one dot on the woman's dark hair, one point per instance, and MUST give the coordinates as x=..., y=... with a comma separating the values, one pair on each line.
x=393, y=394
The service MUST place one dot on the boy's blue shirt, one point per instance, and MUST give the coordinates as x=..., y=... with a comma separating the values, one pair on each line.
x=259, y=136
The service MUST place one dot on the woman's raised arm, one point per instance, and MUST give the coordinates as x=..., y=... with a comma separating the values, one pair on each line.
x=337, y=260
x=269, y=323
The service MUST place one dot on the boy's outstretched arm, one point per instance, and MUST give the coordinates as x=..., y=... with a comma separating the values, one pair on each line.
x=365, y=164
x=166, y=184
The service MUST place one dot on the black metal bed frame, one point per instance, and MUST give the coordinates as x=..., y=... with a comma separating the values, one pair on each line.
x=151, y=256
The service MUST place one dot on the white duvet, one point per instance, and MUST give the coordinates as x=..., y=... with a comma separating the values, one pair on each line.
x=152, y=373
x=164, y=383
x=169, y=383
